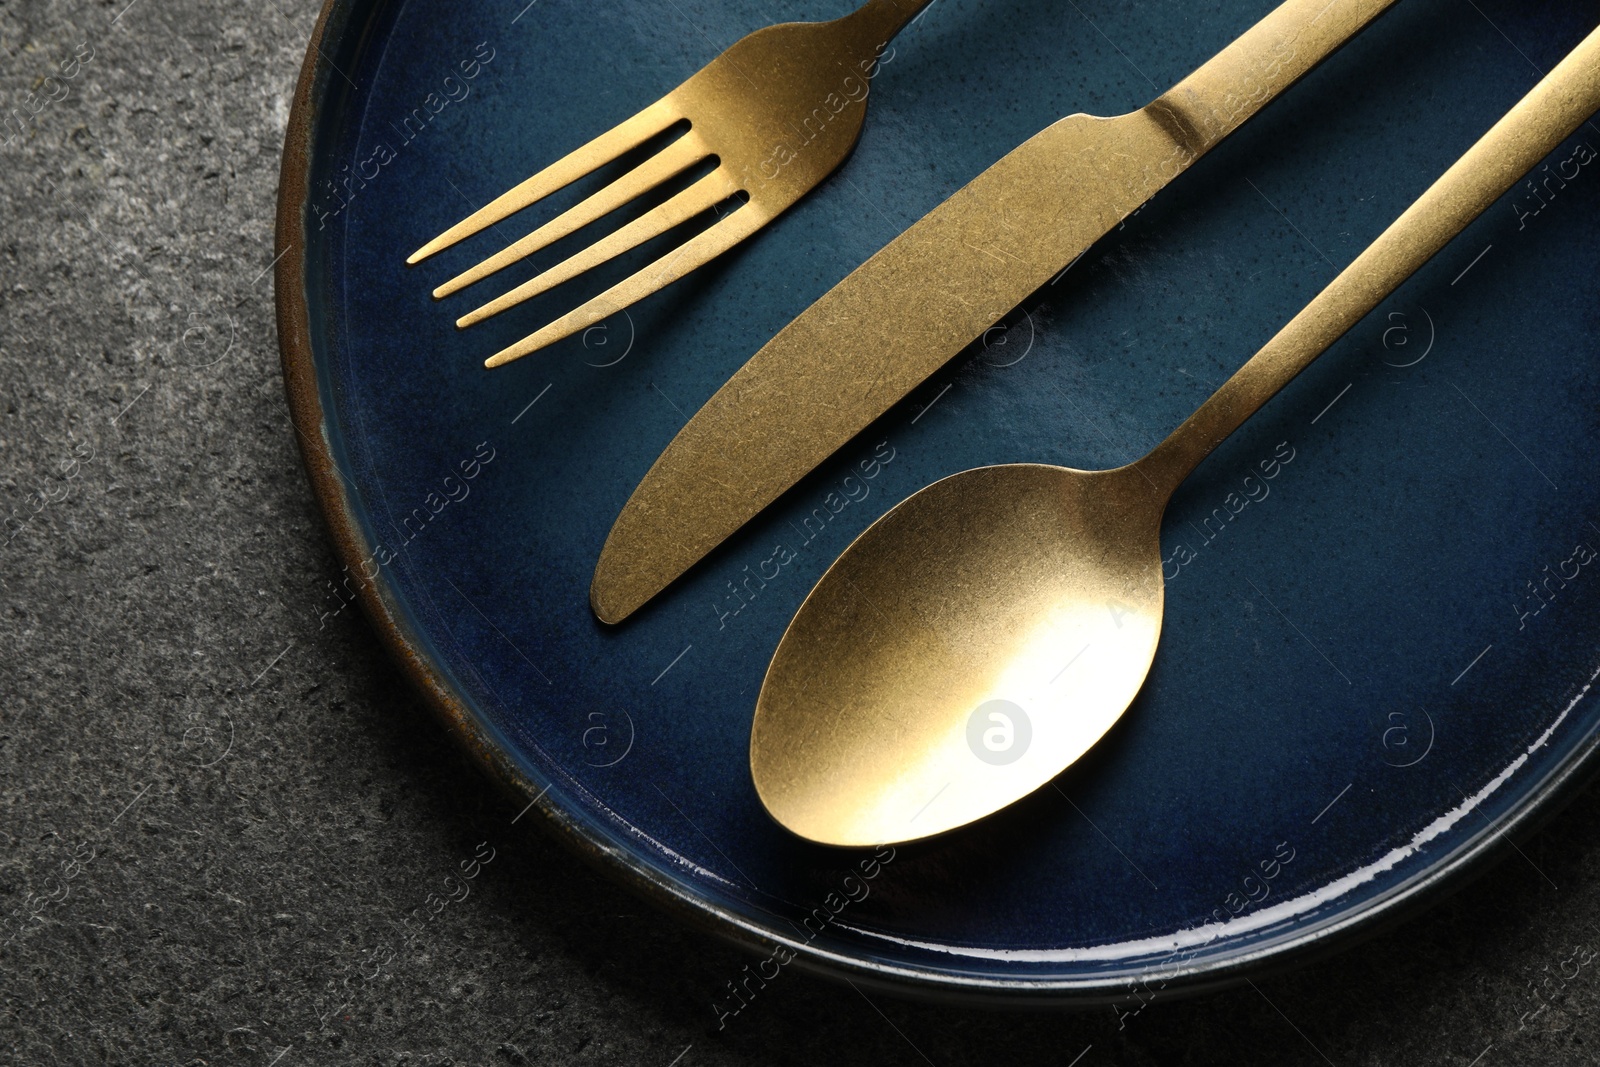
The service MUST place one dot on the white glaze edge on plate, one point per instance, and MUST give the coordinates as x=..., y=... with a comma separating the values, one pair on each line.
x=670, y=855
x=1266, y=917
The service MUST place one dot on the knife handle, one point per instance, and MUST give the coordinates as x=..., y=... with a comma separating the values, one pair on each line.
x=1268, y=58
x=882, y=19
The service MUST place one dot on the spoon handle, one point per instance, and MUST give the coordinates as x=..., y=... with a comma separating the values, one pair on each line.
x=1530, y=131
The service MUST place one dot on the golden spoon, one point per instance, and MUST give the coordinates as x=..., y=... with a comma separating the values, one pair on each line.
x=977, y=639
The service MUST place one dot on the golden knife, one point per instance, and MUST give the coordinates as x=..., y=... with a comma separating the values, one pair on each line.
x=926, y=295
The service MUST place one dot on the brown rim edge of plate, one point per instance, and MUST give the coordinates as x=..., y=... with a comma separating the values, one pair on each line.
x=305, y=410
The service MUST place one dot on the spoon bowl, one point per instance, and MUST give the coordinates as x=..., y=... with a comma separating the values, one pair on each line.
x=967, y=646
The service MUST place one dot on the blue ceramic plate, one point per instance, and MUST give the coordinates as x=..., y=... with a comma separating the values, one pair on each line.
x=1380, y=636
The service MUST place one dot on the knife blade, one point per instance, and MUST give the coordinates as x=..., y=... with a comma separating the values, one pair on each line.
x=930, y=292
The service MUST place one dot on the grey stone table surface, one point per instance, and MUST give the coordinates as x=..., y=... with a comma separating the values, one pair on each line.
x=215, y=806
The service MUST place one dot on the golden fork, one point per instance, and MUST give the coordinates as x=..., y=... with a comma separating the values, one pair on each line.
x=778, y=111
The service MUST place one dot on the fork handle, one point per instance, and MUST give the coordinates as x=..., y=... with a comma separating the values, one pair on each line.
x=1531, y=130
x=1268, y=58
x=880, y=20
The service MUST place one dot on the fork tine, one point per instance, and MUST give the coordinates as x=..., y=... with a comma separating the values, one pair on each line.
x=691, y=255
x=685, y=205
x=626, y=135
x=670, y=161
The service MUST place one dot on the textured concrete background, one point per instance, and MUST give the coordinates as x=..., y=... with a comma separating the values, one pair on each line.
x=216, y=813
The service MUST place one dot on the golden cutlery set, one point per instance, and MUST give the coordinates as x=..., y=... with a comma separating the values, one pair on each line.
x=979, y=637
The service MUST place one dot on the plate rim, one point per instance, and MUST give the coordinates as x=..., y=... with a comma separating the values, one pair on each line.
x=293, y=319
